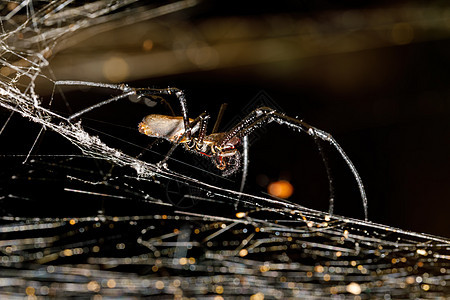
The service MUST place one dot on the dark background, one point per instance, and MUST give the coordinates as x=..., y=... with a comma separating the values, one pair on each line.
x=393, y=123
x=385, y=102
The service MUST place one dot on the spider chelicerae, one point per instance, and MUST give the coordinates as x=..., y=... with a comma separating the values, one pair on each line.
x=221, y=147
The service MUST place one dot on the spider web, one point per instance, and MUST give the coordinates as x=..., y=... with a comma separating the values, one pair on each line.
x=102, y=221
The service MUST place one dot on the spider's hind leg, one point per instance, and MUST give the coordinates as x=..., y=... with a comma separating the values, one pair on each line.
x=265, y=115
x=325, y=136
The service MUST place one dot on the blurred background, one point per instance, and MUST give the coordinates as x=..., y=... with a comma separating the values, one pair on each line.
x=374, y=74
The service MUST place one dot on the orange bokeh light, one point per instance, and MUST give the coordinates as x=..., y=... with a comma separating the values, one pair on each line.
x=282, y=189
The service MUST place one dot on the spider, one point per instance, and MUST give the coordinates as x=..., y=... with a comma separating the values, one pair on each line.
x=221, y=147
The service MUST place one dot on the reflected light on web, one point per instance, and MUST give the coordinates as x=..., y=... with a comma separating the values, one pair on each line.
x=282, y=189
x=354, y=288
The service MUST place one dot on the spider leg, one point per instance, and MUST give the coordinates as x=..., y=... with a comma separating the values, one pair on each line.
x=244, y=166
x=265, y=115
x=128, y=91
x=121, y=87
x=113, y=99
x=204, y=118
x=244, y=162
x=329, y=175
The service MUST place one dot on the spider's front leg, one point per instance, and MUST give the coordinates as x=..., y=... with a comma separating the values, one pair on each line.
x=127, y=92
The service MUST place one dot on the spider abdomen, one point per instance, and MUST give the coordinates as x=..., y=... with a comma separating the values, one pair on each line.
x=161, y=126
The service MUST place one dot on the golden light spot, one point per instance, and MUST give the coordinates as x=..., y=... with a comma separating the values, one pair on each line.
x=257, y=296
x=219, y=289
x=334, y=290
x=360, y=267
x=147, y=45
x=154, y=268
x=257, y=229
x=353, y=288
x=93, y=286
x=197, y=231
x=326, y=277
x=202, y=55
x=159, y=285
x=338, y=254
x=95, y=249
x=176, y=231
x=422, y=252
x=403, y=259
x=30, y=291
x=116, y=219
x=425, y=287
x=240, y=215
x=264, y=268
x=402, y=33
x=243, y=252
x=164, y=217
x=72, y=222
x=346, y=234
x=309, y=274
x=111, y=283
x=183, y=261
x=410, y=280
x=319, y=269
x=176, y=283
x=282, y=189
x=67, y=252
x=116, y=69
x=191, y=260
x=353, y=263
x=420, y=264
